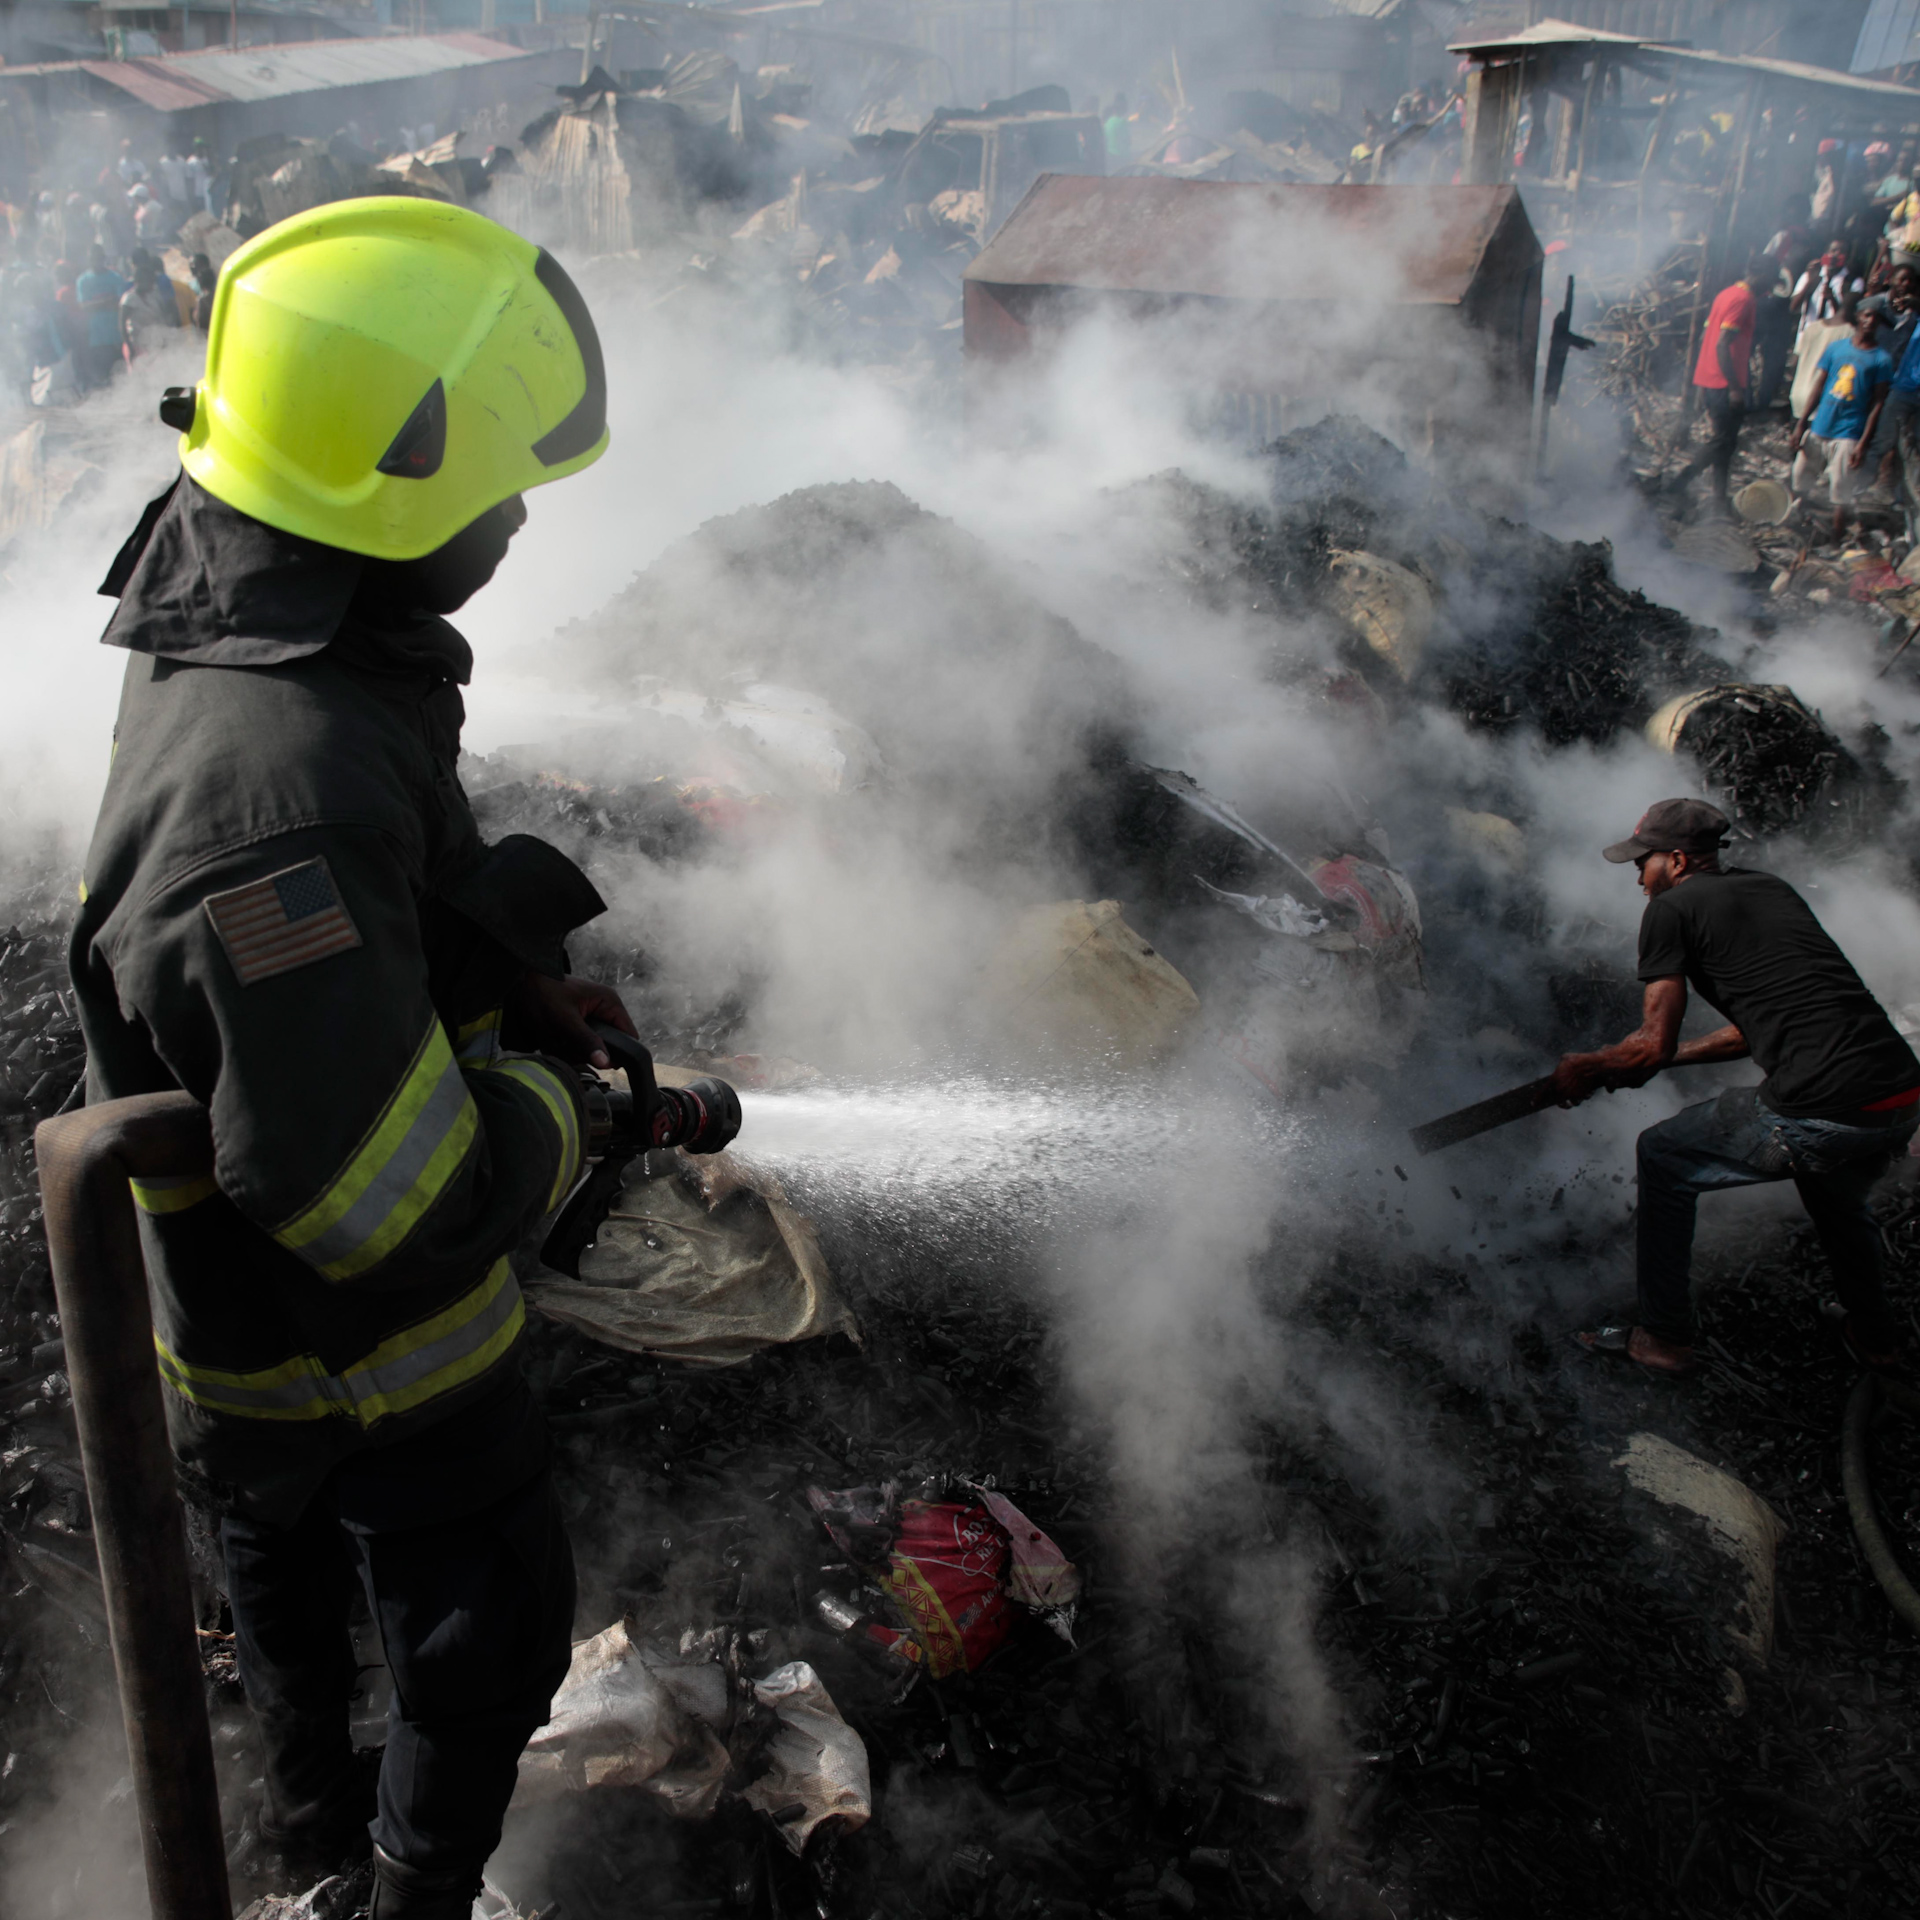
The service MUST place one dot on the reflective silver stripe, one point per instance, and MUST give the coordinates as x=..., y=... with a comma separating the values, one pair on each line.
x=389, y=1199
x=446, y=1350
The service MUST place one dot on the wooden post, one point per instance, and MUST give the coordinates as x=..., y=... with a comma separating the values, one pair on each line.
x=1586, y=121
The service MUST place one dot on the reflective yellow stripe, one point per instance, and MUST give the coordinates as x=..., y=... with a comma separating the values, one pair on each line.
x=409, y=1368
x=174, y=1194
x=396, y=1173
x=563, y=1109
x=478, y=1042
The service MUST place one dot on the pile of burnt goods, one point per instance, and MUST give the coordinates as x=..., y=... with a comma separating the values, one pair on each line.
x=1505, y=625
x=1775, y=767
x=794, y=608
x=1513, y=630
x=1551, y=641
x=769, y=682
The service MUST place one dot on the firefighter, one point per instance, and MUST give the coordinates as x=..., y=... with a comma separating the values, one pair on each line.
x=289, y=911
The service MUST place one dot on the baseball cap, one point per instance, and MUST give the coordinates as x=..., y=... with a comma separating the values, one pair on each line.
x=1673, y=826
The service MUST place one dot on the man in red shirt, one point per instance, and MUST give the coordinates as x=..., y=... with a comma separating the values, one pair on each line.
x=1723, y=373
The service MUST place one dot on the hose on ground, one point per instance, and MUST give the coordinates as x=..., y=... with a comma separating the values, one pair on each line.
x=1869, y=1394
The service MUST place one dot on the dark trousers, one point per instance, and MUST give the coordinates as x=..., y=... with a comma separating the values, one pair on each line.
x=1726, y=417
x=1900, y=435
x=475, y=1617
x=1773, y=335
x=1734, y=1141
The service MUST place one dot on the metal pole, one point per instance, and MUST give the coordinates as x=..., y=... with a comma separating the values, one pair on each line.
x=86, y=1160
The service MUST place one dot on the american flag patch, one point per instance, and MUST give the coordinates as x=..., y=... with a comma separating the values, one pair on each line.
x=282, y=922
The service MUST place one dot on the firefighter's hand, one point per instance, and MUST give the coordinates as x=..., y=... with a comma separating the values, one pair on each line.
x=550, y=1016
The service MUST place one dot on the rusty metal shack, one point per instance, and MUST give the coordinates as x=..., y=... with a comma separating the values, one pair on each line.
x=1231, y=262
x=1609, y=132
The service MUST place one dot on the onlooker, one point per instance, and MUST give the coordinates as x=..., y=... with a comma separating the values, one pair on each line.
x=199, y=177
x=127, y=167
x=153, y=220
x=1821, y=292
x=97, y=293
x=1894, y=186
x=1723, y=374
x=1899, y=309
x=1773, y=327
x=146, y=308
x=1824, y=202
x=172, y=170
x=1850, y=388
x=204, y=279
x=1118, y=132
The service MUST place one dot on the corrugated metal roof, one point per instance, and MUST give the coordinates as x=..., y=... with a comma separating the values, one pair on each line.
x=179, y=82
x=312, y=66
x=1238, y=241
x=154, y=84
x=1887, y=36
x=1561, y=33
x=1547, y=33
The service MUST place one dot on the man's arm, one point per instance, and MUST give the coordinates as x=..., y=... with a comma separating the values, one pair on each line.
x=285, y=985
x=1819, y=387
x=1736, y=378
x=1872, y=427
x=1724, y=1043
x=1634, y=1061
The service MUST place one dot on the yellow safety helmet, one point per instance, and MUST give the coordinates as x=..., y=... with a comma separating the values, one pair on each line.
x=382, y=371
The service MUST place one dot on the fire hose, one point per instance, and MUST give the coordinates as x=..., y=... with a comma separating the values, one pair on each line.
x=86, y=1160
x=1870, y=1394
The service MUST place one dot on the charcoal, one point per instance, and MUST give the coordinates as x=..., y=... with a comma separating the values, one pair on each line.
x=1774, y=766
x=1557, y=645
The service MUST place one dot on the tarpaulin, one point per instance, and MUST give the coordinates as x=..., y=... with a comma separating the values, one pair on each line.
x=706, y=1262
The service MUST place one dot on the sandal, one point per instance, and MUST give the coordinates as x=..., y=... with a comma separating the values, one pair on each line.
x=1636, y=1344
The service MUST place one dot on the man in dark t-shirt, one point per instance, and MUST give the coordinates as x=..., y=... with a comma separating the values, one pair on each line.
x=1840, y=1102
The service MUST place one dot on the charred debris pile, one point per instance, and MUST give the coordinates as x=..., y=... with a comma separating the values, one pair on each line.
x=1538, y=1688
x=1554, y=1699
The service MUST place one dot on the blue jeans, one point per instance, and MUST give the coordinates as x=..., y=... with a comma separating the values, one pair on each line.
x=1734, y=1141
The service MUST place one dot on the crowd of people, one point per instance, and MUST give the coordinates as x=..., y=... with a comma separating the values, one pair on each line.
x=1822, y=320
x=84, y=285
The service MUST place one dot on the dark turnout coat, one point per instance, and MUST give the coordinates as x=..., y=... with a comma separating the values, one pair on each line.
x=288, y=910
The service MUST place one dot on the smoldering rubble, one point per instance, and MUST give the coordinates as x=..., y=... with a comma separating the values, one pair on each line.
x=873, y=1620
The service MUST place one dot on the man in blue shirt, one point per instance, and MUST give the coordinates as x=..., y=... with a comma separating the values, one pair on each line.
x=1843, y=410
x=97, y=293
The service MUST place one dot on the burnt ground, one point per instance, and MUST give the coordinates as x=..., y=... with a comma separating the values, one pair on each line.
x=1536, y=1686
